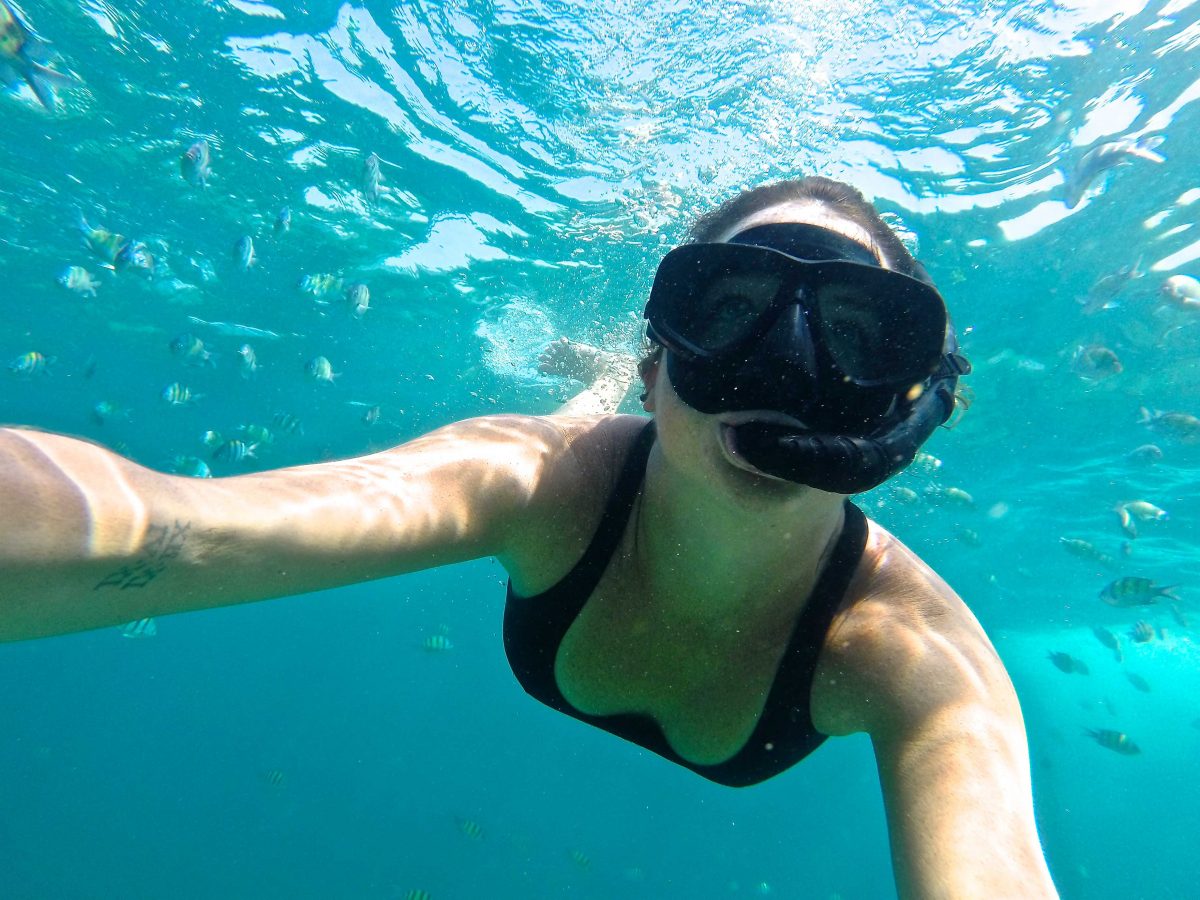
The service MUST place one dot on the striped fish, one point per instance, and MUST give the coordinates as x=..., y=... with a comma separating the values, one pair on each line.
x=1135, y=591
x=437, y=643
x=142, y=628
x=234, y=450
x=177, y=394
x=31, y=363
x=471, y=829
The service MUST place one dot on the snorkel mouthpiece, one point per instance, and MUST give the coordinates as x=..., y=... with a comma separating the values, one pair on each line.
x=845, y=464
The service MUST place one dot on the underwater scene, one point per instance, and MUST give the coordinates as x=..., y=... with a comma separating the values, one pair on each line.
x=241, y=235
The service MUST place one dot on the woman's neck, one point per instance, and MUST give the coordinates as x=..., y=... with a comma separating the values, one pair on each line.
x=718, y=557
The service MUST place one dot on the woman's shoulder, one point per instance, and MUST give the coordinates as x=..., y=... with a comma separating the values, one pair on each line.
x=581, y=463
x=901, y=630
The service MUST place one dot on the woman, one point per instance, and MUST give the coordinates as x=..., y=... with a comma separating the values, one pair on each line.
x=698, y=584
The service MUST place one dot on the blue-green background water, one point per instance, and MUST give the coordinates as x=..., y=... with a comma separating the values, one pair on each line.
x=538, y=159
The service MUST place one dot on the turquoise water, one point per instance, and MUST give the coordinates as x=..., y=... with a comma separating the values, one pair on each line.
x=537, y=158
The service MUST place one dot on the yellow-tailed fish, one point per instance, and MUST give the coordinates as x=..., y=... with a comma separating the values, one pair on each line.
x=23, y=56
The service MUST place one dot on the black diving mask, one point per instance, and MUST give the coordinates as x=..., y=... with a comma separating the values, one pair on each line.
x=797, y=319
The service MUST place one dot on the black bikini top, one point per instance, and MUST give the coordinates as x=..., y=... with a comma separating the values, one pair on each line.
x=534, y=628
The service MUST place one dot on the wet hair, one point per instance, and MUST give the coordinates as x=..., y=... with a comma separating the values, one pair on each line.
x=841, y=198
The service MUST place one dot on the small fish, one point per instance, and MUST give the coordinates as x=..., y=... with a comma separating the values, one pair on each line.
x=79, y=280
x=1141, y=633
x=1113, y=740
x=1135, y=591
x=1105, y=290
x=359, y=299
x=471, y=829
x=106, y=409
x=191, y=466
x=320, y=369
x=31, y=363
x=926, y=462
x=243, y=252
x=418, y=894
x=1144, y=511
x=177, y=394
x=283, y=221
x=1065, y=662
x=437, y=643
x=249, y=360
x=1146, y=454
x=1108, y=639
x=196, y=164
x=234, y=450
x=287, y=423
x=211, y=439
x=23, y=55
x=1095, y=363
x=142, y=628
x=905, y=495
x=236, y=329
x=1138, y=682
x=1183, y=426
x=1086, y=550
x=134, y=255
x=1182, y=291
x=103, y=243
x=1107, y=156
x=949, y=496
x=191, y=350
x=258, y=434
x=320, y=286
x=371, y=416
x=275, y=778
x=580, y=859
x=372, y=178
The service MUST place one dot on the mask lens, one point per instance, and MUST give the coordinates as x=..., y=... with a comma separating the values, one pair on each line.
x=879, y=328
x=709, y=298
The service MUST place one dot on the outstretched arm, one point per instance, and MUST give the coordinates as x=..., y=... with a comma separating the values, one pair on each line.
x=89, y=539
x=911, y=666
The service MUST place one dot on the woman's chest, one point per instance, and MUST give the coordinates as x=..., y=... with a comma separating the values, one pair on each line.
x=705, y=687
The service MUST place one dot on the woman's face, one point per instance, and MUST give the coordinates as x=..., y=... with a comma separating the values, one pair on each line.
x=698, y=444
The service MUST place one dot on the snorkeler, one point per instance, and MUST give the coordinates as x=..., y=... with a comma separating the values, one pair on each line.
x=697, y=583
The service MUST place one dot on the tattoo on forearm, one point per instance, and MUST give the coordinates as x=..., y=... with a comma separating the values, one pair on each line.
x=163, y=544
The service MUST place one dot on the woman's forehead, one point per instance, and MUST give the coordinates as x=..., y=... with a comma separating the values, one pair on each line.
x=806, y=212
